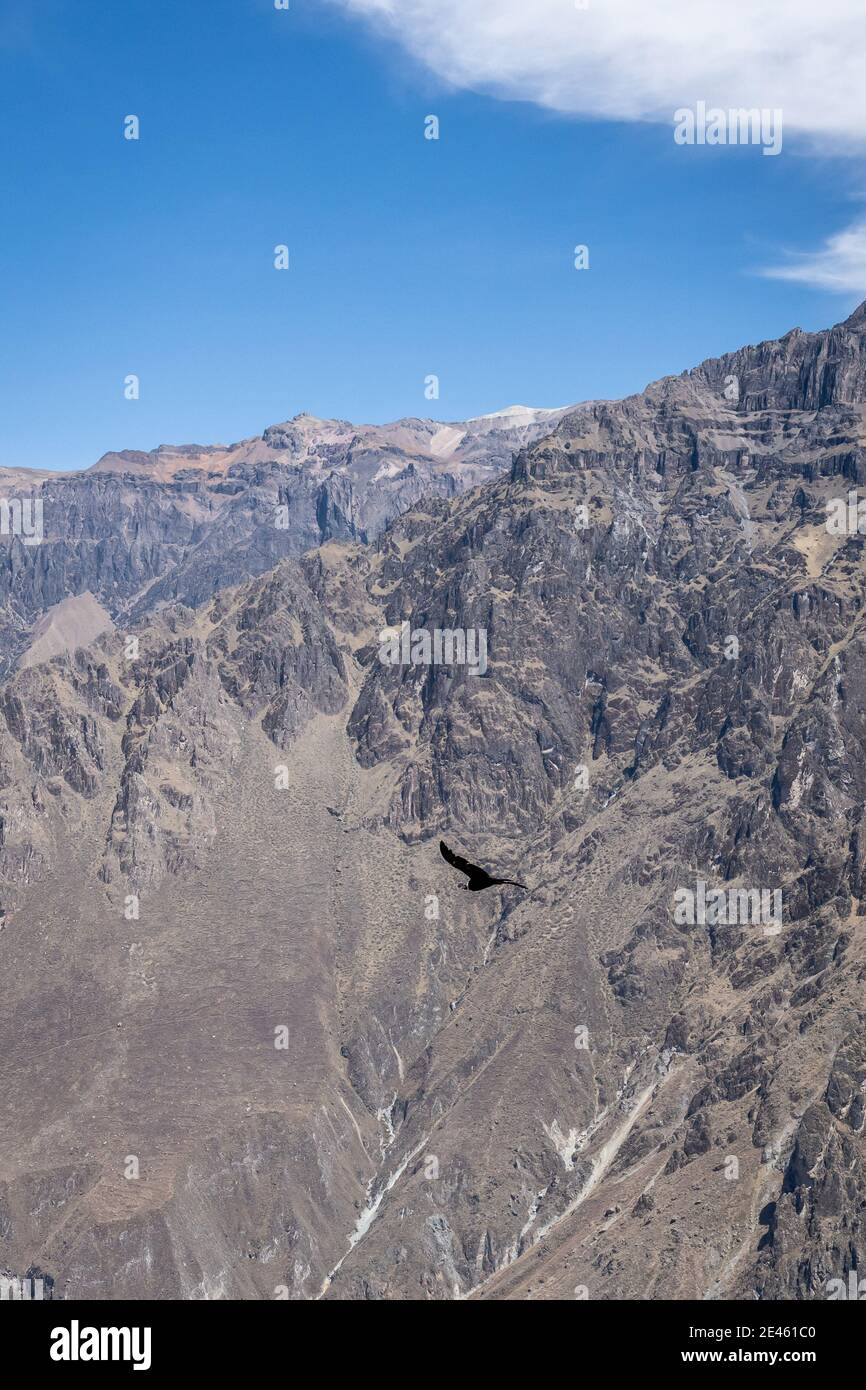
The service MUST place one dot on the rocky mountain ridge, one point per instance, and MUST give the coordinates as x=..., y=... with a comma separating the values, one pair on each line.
x=138, y=530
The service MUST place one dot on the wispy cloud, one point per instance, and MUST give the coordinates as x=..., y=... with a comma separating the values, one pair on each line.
x=839, y=265
x=635, y=60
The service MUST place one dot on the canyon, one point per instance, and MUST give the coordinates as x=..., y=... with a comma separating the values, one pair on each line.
x=558, y=1094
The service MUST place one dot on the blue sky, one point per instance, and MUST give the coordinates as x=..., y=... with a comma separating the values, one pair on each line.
x=408, y=256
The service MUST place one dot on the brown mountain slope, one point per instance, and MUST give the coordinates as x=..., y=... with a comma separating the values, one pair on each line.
x=566, y=1093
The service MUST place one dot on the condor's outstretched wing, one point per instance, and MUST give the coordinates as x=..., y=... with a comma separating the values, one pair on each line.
x=454, y=859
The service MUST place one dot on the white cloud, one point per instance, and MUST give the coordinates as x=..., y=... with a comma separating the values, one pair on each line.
x=840, y=265
x=641, y=59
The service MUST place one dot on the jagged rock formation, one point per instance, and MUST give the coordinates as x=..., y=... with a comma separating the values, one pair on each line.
x=234, y=956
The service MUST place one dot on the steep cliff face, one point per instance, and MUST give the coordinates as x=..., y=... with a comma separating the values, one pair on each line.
x=235, y=954
x=674, y=695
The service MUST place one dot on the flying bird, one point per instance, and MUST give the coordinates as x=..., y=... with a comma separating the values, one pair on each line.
x=479, y=879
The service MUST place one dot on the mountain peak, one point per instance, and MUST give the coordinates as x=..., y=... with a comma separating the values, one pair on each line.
x=857, y=320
